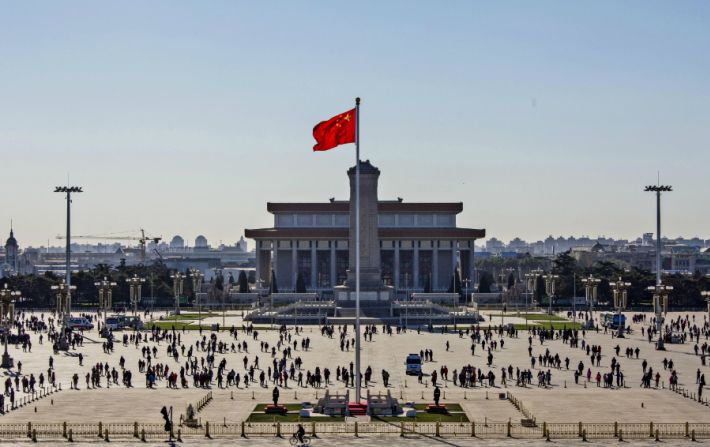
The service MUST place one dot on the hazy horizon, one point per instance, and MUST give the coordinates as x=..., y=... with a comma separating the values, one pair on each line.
x=543, y=119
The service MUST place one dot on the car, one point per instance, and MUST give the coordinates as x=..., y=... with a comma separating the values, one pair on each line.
x=112, y=323
x=80, y=323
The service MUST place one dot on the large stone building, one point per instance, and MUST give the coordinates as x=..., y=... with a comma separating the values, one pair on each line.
x=11, y=265
x=403, y=245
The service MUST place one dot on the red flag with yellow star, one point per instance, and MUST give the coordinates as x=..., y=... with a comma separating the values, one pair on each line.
x=338, y=130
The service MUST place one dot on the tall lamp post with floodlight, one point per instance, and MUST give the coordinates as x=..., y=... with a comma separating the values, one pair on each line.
x=660, y=308
x=7, y=312
x=135, y=284
x=68, y=191
x=197, y=276
x=177, y=290
x=620, y=288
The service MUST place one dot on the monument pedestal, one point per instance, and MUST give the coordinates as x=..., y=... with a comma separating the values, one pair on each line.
x=345, y=293
x=7, y=361
x=275, y=409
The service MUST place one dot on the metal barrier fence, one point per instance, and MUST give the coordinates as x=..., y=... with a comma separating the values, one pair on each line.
x=151, y=431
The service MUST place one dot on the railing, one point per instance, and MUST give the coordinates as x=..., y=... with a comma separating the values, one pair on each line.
x=478, y=429
x=517, y=403
x=28, y=398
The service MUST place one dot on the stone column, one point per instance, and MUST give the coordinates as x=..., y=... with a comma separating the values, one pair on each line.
x=294, y=264
x=434, y=266
x=333, y=273
x=370, y=278
x=472, y=264
x=314, y=265
x=275, y=263
x=257, y=273
x=395, y=270
x=415, y=263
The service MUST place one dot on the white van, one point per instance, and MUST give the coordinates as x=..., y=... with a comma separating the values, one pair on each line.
x=413, y=364
x=79, y=323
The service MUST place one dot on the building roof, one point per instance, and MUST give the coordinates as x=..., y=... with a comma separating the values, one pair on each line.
x=382, y=206
x=384, y=233
x=11, y=241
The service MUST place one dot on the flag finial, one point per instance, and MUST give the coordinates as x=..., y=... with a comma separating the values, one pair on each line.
x=357, y=100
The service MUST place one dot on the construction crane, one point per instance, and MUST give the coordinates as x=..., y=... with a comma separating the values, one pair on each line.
x=142, y=240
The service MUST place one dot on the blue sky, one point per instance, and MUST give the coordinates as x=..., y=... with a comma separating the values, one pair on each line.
x=187, y=117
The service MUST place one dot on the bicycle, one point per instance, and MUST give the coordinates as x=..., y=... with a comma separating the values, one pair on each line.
x=294, y=440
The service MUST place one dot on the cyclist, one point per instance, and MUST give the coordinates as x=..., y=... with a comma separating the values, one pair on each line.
x=300, y=433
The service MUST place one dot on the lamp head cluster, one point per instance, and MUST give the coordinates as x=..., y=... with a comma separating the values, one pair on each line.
x=62, y=287
x=69, y=189
x=135, y=280
x=658, y=188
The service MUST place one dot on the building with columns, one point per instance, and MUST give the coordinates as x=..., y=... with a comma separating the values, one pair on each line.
x=403, y=245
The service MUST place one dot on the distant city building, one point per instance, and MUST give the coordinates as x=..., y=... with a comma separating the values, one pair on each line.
x=12, y=252
x=201, y=243
x=177, y=243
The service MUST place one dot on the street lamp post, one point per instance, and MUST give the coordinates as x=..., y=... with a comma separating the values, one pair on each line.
x=550, y=280
x=705, y=294
x=531, y=280
x=135, y=285
x=620, y=301
x=590, y=293
x=105, y=295
x=63, y=306
x=177, y=290
x=7, y=312
x=660, y=308
x=197, y=276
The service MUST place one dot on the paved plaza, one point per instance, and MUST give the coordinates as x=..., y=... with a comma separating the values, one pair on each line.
x=563, y=401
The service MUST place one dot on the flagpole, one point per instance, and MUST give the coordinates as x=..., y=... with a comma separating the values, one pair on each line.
x=357, y=251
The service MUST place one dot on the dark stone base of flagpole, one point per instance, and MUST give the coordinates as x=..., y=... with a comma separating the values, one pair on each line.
x=63, y=343
x=7, y=361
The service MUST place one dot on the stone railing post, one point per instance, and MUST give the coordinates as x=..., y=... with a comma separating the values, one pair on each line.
x=64, y=429
x=242, y=434
x=473, y=429
x=135, y=429
x=101, y=430
x=278, y=429
x=650, y=430
x=207, y=429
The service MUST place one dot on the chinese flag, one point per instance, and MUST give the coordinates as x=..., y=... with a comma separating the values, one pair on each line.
x=338, y=130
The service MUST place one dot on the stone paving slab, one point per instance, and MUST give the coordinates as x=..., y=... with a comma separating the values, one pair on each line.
x=558, y=403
